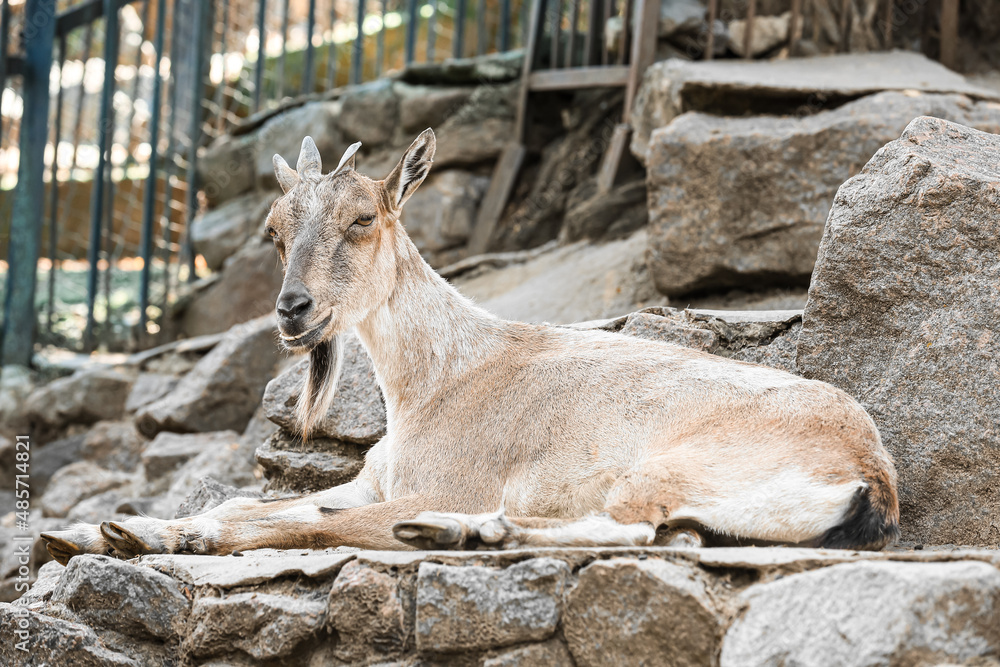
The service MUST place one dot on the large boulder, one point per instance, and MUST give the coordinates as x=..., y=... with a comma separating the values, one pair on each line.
x=440, y=215
x=76, y=482
x=222, y=391
x=369, y=114
x=742, y=201
x=29, y=638
x=357, y=414
x=169, y=451
x=291, y=464
x=282, y=134
x=870, y=614
x=220, y=232
x=903, y=314
x=89, y=395
x=226, y=168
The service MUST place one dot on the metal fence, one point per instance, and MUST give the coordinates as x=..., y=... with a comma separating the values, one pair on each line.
x=97, y=162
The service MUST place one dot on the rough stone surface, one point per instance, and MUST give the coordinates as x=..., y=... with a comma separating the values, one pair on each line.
x=551, y=653
x=461, y=608
x=282, y=134
x=903, y=314
x=421, y=107
x=314, y=465
x=222, y=391
x=358, y=414
x=652, y=612
x=743, y=201
x=75, y=482
x=169, y=451
x=480, y=129
x=247, y=288
x=769, y=32
x=115, y=445
x=262, y=625
x=870, y=614
x=366, y=611
x=806, y=85
x=110, y=593
x=149, y=387
x=209, y=493
x=220, y=232
x=52, y=641
x=87, y=396
x=440, y=215
x=226, y=168
x=594, y=215
x=52, y=457
x=370, y=114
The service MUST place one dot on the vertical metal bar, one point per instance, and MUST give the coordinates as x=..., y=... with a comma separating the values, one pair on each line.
x=748, y=32
x=890, y=7
x=431, y=30
x=171, y=168
x=713, y=11
x=309, y=79
x=505, y=21
x=25, y=236
x=88, y=42
x=592, y=37
x=525, y=22
x=574, y=19
x=331, y=55
x=220, y=97
x=54, y=190
x=358, y=51
x=284, y=48
x=149, y=194
x=380, y=42
x=845, y=25
x=795, y=26
x=624, y=37
x=556, y=33
x=482, y=39
x=949, y=33
x=411, y=29
x=97, y=197
x=458, y=43
x=605, y=55
x=195, y=131
x=258, y=74
x=4, y=46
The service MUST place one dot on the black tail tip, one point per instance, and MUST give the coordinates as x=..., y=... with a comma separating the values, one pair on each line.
x=864, y=528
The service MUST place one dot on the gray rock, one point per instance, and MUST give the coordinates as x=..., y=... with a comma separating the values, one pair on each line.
x=149, y=387
x=209, y=493
x=870, y=614
x=803, y=85
x=318, y=464
x=115, y=445
x=630, y=611
x=109, y=593
x=87, y=396
x=421, y=107
x=282, y=134
x=490, y=69
x=228, y=465
x=737, y=202
x=594, y=215
x=459, y=608
x=552, y=653
x=49, y=576
x=247, y=288
x=76, y=482
x=220, y=232
x=366, y=611
x=262, y=625
x=357, y=414
x=370, y=114
x=100, y=507
x=16, y=384
x=223, y=389
x=769, y=32
x=779, y=352
x=668, y=330
x=903, y=314
x=680, y=15
x=440, y=215
x=51, y=641
x=226, y=168
x=480, y=129
x=169, y=451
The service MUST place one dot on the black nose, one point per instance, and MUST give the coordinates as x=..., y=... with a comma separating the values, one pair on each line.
x=293, y=304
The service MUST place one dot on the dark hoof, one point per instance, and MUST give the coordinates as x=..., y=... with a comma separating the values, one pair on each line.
x=61, y=548
x=124, y=542
x=430, y=534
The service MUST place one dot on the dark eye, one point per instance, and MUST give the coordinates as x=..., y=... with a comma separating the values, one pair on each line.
x=271, y=231
x=364, y=220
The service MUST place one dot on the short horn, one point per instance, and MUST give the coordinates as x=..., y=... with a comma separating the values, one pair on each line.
x=287, y=178
x=347, y=162
x=309, y=162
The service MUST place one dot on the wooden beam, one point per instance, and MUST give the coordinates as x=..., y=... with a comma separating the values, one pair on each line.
x=647, y=18
x=612, y=159
x=887, y=18
x=530, y=53
x=795, y=26
x=501, y=184
x=579, y=77
x=949, y=33
x=713, y=12
x=748, y=32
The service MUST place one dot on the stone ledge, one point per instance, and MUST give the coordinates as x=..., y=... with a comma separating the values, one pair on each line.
x=666, y=606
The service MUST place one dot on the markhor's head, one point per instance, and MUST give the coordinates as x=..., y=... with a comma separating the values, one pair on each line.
x=336, y=236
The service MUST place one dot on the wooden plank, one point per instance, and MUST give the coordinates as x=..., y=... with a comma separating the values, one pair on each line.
x=611, y=162
x=795, y=26
x=887, y=19
x=530, y=54
x=949, y=33
x=647, y=15
x=623, y=36
x=579, y=77
x=845, y=25
x=501, y=184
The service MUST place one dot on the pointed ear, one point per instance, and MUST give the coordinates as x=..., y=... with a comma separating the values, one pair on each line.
x=287, y=178
x=412, y=168
x=309, y=162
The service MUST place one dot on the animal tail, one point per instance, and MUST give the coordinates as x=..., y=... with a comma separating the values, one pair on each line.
x=871, y=523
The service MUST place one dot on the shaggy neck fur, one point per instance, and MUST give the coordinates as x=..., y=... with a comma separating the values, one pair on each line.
x=425, y=332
